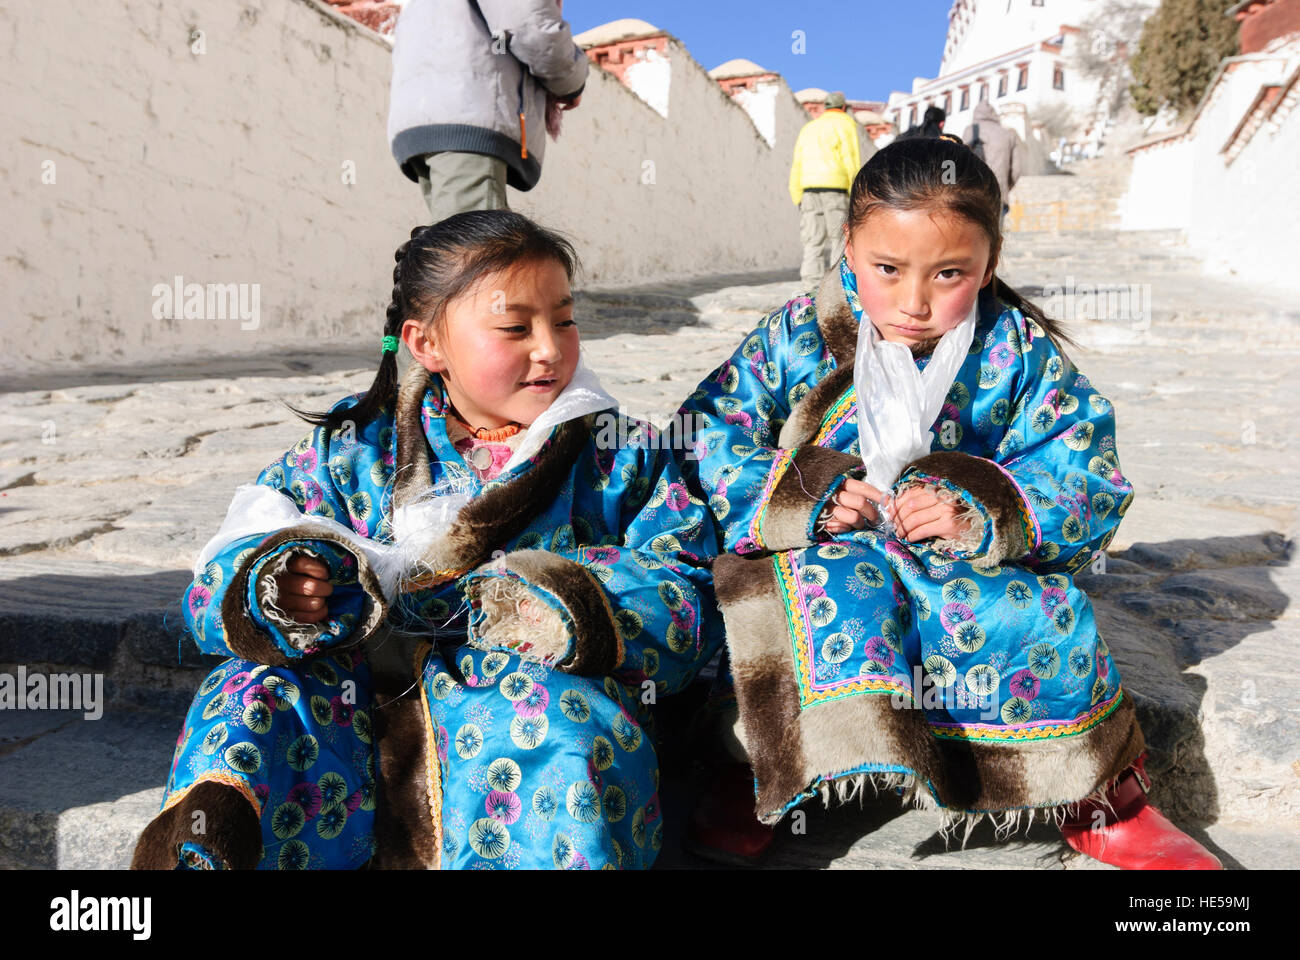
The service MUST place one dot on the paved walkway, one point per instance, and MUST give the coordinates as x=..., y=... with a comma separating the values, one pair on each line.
x=111, y=480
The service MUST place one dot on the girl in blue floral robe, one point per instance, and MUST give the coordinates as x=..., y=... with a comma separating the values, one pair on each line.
x=966, y=672
x=405, y=729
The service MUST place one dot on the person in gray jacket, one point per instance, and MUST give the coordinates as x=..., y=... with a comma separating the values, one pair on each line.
x=472, y=83
x=1000, y=148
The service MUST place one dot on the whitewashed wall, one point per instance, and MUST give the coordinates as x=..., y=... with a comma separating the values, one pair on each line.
x=1159, y=195
x=255, y=154
x=1241, y=217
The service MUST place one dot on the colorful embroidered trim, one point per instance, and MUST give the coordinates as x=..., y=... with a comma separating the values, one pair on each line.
x=779, y=466
x=220, y=776
x=1037, y=730
x=432, y=762
x=797, y=618
x=845, y=407
x=1028, y=519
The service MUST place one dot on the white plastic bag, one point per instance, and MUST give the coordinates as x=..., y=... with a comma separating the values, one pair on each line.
x=897, y=403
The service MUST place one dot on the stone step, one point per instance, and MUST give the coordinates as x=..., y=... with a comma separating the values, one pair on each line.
x=76, y=792
x=123, y=622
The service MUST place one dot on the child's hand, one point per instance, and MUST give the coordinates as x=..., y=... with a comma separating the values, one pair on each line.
x=852, y=507
x=919, y=514
x=302, y=589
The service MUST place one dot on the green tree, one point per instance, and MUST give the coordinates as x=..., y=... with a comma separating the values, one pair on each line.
x=1181, y=47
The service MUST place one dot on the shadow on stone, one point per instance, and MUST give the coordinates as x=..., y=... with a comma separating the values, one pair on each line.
x=1166, y=607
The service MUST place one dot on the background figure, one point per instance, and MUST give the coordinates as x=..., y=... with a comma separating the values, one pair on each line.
x=1000, y=148
x=472, y=84
x=931, y=124
x=826, y=159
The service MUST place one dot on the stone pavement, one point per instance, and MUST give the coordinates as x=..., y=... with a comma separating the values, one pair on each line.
x=111, y=480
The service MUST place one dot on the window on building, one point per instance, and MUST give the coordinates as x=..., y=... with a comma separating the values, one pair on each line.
x=947, y=102
x=984, y=92
x=911, y=118
x=1058, y=77
x=1023, y=80
x=1036, y=3
x=965, y=98
x=1002, y=85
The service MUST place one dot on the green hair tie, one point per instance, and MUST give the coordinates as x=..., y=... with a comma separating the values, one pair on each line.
x=389, y=345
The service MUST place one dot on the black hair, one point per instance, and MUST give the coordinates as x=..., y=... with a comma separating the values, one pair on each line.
x=437, y=264
x=916, y=173
x=931, y=124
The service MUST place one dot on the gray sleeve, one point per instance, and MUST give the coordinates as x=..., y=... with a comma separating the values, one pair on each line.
x=539, y=39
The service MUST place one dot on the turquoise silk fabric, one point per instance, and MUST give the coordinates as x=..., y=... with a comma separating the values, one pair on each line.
x=1012, y=652
x=537, y=768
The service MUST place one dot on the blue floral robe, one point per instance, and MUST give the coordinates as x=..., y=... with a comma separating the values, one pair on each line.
x=966, y=673
x=495, y=760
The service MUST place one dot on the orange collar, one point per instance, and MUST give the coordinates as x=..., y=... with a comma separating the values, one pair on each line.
x=491, y=433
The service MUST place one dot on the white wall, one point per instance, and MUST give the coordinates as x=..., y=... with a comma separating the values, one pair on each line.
x=228, y=166
x=1239, y=216
x=1244, y=215
x=1160, y=189
x=221, y=166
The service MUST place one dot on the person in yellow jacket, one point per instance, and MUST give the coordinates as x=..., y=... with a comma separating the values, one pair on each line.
x=826, y=159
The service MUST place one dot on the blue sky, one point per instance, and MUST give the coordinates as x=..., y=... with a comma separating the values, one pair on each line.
x=865, y=48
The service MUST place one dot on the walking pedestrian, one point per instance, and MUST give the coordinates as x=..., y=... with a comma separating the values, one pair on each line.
x=474, y=82
x=826, y=159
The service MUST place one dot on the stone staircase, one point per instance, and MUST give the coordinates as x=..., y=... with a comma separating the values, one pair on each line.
x=1083, y=197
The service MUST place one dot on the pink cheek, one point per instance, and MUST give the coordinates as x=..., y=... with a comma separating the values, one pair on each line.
x=875, y=302
x=494, y=368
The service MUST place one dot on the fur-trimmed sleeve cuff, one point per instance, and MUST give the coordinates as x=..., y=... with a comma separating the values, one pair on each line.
x=797, y=490
x=545, y=607
x=256, y=629
x=998, y=523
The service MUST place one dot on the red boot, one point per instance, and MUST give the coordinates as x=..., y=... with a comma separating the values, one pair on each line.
x=723, y=825
x=1136, y=836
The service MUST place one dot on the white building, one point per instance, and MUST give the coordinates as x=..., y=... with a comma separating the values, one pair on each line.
x=1225, y=177
x=1017, y=54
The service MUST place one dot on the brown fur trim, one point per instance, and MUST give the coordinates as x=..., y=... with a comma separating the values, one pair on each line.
x=795, y=749
x=249, y=641
x=487, y=521
x=807, y=416
x=835, y=318
x=984, y=481
x=737, y=578
x=405, y=837
x=597, y=649
x=234, y=830
x=411, y=470
x=1122, y=744
x=800, y=491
